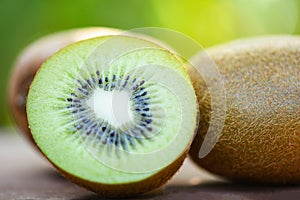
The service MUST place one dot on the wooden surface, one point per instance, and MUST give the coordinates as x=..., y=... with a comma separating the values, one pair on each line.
x=24, y=174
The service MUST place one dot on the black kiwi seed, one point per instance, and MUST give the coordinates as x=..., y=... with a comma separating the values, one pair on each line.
x=90, y=125
x=117, y=140
x=94, y=79
x=89, y=82
x=84, y=86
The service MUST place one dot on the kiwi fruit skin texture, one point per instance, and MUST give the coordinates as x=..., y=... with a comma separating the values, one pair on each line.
x=29, y=62
x=260, y=140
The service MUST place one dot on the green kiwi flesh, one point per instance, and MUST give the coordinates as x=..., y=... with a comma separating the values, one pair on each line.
x=70, y=116
x=260, y=140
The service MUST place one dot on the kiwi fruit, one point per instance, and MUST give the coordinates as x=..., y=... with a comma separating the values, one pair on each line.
x=114, y=114
x=260, y=139
x=31, y=59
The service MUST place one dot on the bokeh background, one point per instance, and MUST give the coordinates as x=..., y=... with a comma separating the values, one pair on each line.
x=209, y=22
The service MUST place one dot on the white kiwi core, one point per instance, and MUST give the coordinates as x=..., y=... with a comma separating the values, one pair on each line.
x=113, y=107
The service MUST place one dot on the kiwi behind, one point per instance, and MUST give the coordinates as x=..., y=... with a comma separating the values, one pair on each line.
x=260, y=140
x=30, y=60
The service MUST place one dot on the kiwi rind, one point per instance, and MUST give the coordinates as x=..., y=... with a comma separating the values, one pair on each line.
x=260, y=141
x=30, y=60
x=132, y=188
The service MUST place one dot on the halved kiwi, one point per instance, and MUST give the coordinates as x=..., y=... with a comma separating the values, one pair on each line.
x=114, y=114
x=260, y=140
x=30, y=61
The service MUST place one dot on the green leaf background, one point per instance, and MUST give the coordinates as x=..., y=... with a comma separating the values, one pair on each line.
x=209, y=22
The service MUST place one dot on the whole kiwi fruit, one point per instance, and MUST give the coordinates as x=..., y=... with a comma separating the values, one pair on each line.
x=30, y=60
x=260, y=139
x=107, y=114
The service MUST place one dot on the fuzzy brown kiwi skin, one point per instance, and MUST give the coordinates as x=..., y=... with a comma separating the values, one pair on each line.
x=260, y=141
x=30, y=61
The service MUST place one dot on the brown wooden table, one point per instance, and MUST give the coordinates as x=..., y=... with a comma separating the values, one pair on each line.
x=24, y=174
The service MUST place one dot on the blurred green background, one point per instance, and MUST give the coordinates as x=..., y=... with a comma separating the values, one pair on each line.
x=209, y=22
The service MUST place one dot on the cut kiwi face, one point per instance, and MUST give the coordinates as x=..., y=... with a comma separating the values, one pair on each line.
x=260, y=139
x=113, y=114
x=30, y=60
